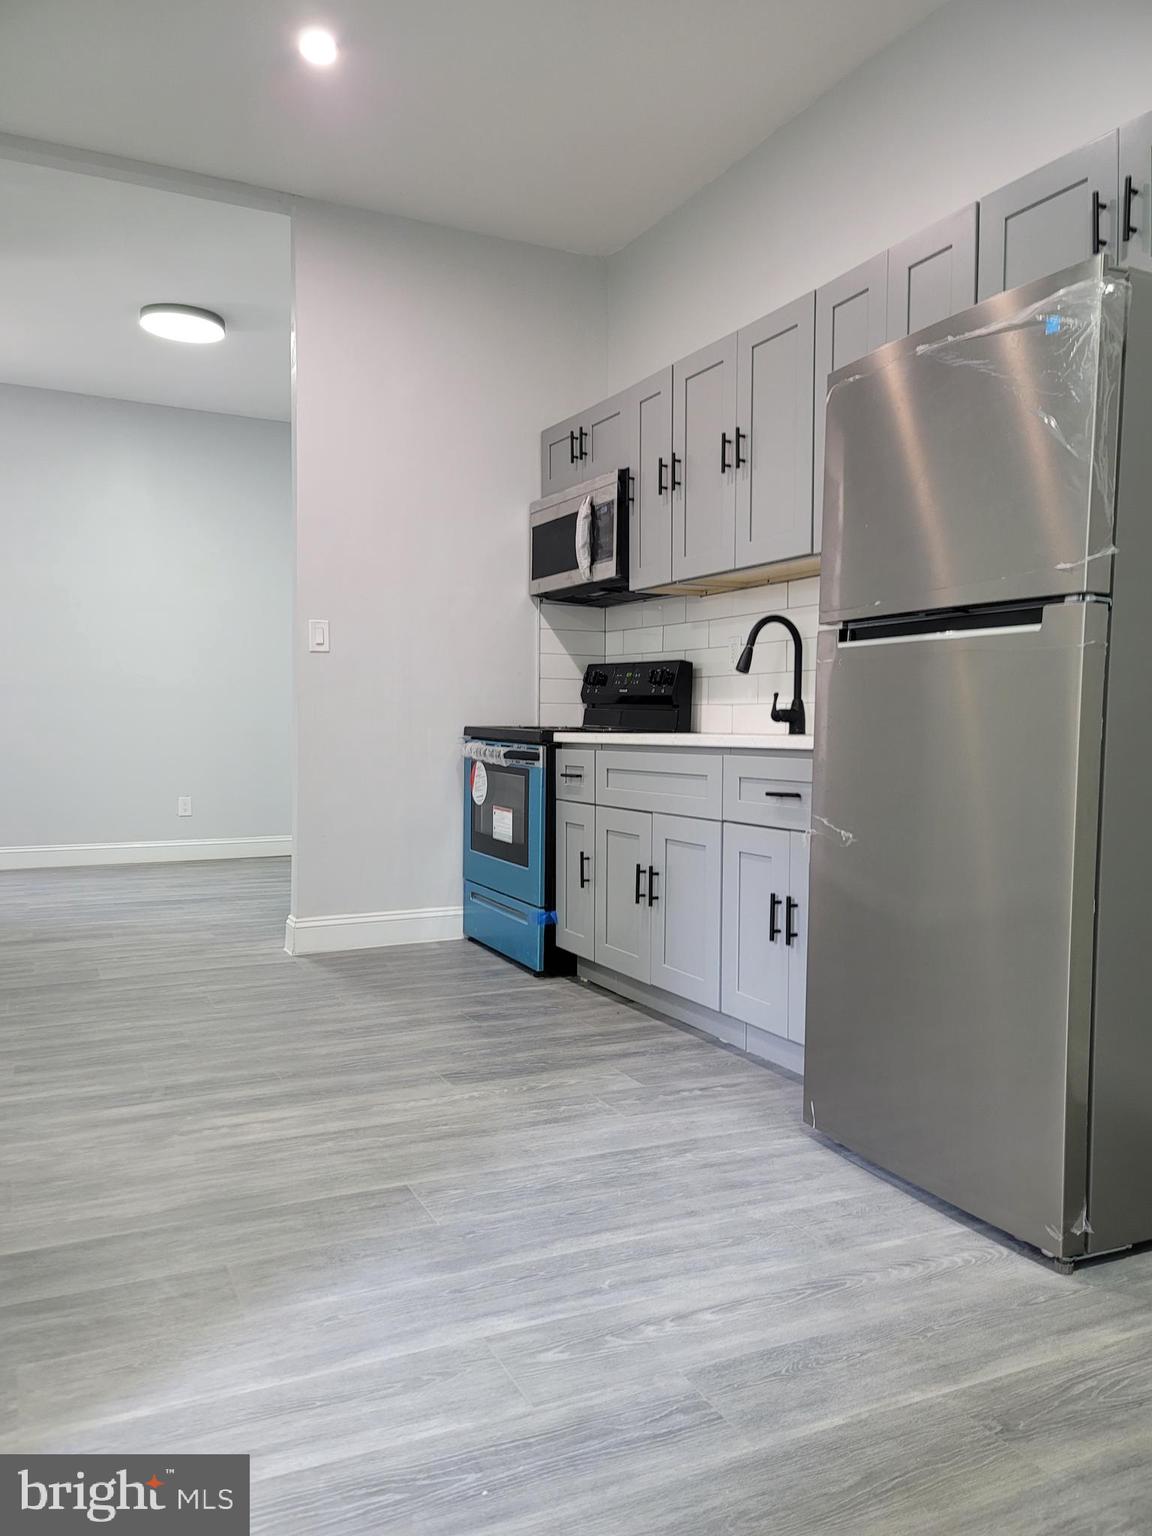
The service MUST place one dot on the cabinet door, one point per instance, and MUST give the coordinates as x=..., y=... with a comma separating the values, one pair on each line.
x=1135, y=208
x=796, y=932
x=851, y=319
x=684, y=896
x=623, y=921
x=575, y=890
x=647, y=433
x=775, y=361
x=603, y=440
x=1051, y=218
x=932, y=274
x=755, y=957
x=560, y=464
x=704, y=474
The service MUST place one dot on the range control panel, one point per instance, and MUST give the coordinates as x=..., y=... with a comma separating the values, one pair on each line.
x=638, y=696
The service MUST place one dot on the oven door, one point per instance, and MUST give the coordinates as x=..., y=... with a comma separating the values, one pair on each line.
x=504, y=815
x=558, y=527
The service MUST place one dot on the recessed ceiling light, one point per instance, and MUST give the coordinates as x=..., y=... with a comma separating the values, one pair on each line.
x=182, y=322
x=317, y=46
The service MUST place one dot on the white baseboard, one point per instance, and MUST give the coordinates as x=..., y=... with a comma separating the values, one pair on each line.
x=372, y=930
x=177, y=851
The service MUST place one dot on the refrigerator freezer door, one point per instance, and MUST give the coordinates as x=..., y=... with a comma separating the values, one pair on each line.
x=951, y=923
x=974, y=462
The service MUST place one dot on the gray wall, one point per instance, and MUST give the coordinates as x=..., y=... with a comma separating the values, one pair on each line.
x=980, y=93
x=145, y=599
x=427, y=362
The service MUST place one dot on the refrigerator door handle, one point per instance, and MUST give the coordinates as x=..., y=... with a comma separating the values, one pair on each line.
x=946, y=625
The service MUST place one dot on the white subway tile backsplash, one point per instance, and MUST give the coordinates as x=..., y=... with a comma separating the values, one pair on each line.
x=698, y=629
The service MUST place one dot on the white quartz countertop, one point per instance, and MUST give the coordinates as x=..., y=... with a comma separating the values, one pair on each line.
x=678, y=739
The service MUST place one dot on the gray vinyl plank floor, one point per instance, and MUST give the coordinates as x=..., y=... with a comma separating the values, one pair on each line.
x=450, y=1249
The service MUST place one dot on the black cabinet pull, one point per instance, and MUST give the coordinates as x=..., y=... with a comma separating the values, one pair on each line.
x=572, y=447
x=639, y=894
x=583, y=877
x=653, y=876
x=724, y=441
x=1098, y=206
x=578, y=775
x=1130, y=192
x=740, y=458
x=660, y=468
x=790, y=934
x=675, y=483
x=583, y=450
x=784, y=794
x=774, y=919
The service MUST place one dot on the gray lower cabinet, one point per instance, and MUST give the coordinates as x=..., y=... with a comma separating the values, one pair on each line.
x=773, y=447
x=704, y=461
x=684, y=901
x=851, y=319
x=1055, y=216
x=1135, y=211
x=575, y=885
x=623, y=926
x=647, y=432
x=932, y=274
x=764, y=924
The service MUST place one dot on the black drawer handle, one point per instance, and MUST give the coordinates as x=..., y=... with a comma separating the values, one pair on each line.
x=661, y=466
x=584, y=880
x=774, y=919
x=639, y=894
x=676, y=484
x=740, y=459
x=790, y=934
x=573, y=773
x=1098, y=206
x=784, y=794
x=1130, y=192
x=724, y=441
x=653, y=876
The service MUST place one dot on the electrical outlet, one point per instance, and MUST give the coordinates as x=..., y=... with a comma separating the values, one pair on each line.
x=184, y=805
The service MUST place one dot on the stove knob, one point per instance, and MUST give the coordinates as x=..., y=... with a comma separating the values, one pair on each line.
x=595, y=678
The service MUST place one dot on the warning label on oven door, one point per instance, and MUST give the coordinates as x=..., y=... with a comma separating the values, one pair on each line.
x=502, y=823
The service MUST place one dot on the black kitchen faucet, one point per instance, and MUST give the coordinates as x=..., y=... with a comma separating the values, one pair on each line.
x=794, y=714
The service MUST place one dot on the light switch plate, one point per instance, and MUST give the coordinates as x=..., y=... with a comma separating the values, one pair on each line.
x=184, y=805
x=318, y=635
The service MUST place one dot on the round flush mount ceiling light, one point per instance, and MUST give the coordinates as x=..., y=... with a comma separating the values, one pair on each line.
x=317, y=46
x=182, y=322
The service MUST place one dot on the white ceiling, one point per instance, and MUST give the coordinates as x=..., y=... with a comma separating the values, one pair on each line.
x=79, y=256
x=574, y=123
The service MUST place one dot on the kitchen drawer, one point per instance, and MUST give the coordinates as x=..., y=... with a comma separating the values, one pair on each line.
x=576, y=774
x=768, y=791
x=686, y=783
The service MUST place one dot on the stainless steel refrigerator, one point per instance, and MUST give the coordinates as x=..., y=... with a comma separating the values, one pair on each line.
x=980, y=943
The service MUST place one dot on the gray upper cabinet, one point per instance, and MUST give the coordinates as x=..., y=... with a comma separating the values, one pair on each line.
x=773, y=447
x=560, y=464
x=684, y=901
x=575, y=888
x=703, y=464
x=584, y=446
x=623, y=923
x=647, y=430
x=933, y=274
x=1051, y=218
x=1135, y=209
x=851, y=319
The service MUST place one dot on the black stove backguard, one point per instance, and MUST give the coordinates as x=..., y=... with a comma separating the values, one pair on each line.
x=637, y=696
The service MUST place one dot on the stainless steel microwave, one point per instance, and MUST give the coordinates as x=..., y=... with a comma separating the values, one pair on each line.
x=578, y=543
